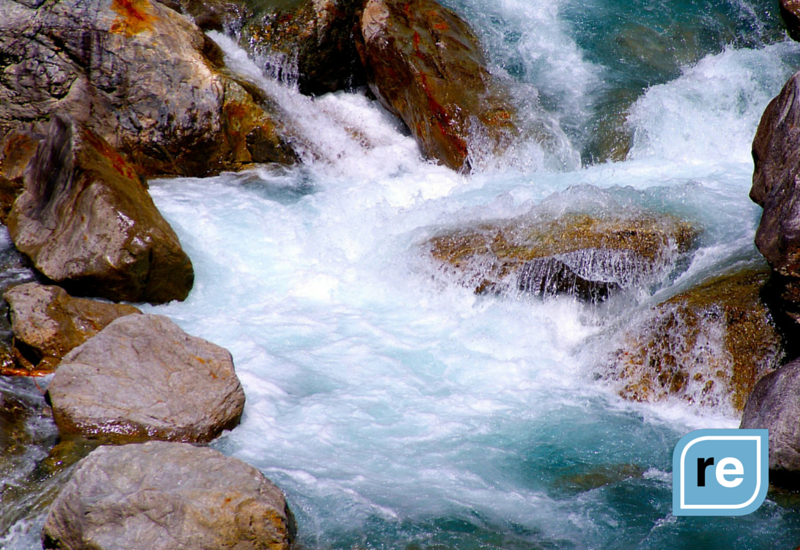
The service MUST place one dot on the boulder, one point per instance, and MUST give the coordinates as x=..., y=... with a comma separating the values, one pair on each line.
x=142, y=77
x=425, y=65
x=708, y=345
x=790, y=12
x=143, y=378
x=17, y=148
x=312, y=43
x=48, y=323
x=86, y=221
x=775, y=405
x=776, y=155
x=167, y=496
x=578, y=254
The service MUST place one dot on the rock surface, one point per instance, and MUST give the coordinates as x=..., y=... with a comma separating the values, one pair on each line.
x=790, y=12
x=312, y=44
x=48, y=323
x=167, y=496
x=17, y=148
x=775, y=405
x=143, y=378
x=425, y=65
x=578, y=254
x=86, y=221
x=776, y=154
x=709, y=345
x=142, y=77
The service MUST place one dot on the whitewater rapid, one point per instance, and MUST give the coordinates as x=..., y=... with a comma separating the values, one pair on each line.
x=396, y=408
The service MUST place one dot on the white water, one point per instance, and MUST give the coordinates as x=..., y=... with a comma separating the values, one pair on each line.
x=396, y=407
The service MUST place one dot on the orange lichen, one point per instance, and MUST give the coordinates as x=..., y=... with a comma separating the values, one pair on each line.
x=133, y=17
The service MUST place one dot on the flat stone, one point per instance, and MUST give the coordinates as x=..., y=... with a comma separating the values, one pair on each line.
x=167, y=496
x=48, y=323
x=143, y=378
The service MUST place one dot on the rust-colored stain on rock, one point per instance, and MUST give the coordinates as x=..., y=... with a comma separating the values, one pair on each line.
x=133, y=17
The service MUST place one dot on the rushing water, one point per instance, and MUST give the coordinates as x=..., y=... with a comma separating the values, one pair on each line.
x=396, y=408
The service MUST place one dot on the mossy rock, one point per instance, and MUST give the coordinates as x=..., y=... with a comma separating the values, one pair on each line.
x=708, y=345
x=588, y=256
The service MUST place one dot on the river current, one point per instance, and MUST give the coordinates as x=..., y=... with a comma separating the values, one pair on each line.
x=399, y=410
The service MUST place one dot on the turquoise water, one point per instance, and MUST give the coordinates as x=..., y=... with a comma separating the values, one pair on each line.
x=396, y=408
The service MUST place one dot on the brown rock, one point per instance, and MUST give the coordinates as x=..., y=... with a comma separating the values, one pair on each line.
x=143, y=378
x=168, y=496
x=16, y=149
x=426, y=66
x=708, y=345
x=48, y=323
x=790, y=12
x=575, y=254
x=314, y=42
x=776, y=154
x=142, y=77
x=86, y=221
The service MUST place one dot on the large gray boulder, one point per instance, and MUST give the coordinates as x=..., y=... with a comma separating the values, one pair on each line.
x=86, y=221
x=140, y=75
x=167, y=496
x=775, y=405
x=141, y=378
x=776, y=187
x=48, y=323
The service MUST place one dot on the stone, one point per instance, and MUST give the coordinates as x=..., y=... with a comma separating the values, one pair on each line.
x=426, y=66
x=790, y=13
x=17, y=148
x=776, y=155
x=312, y=43
x=143, y=378
x=167, y=496
x=586, y=256
x=48, y=323
x=707, y=346
x=774, y=405
x=87, y=222
x=142, y=77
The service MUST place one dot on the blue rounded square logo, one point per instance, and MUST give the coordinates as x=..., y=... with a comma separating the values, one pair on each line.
x=720, y=472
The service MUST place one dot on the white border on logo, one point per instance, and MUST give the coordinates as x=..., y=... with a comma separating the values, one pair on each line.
x=685, y=506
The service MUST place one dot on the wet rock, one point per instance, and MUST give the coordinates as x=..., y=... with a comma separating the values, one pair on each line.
x=312, y=43
x=17, y=148
x=775, y=405
x=708, y=345
x=578, y=254
x=48, y=323
x=165, y=496
x=142, y=77
x=425, y=65
x=86, y=221
x=790, y=13
x=776, y=154
x=143, y=378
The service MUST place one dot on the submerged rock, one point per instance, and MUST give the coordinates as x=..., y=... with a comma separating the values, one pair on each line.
x=48, y=323
x=86, y=221
x=586, y=256
x=312, y=43
x=425, y=65
x=143, y=378
x=597, y=476
x=142, y=77
x=165, y=496
x=776, y=154
x=708, y=345
x=775, y=405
